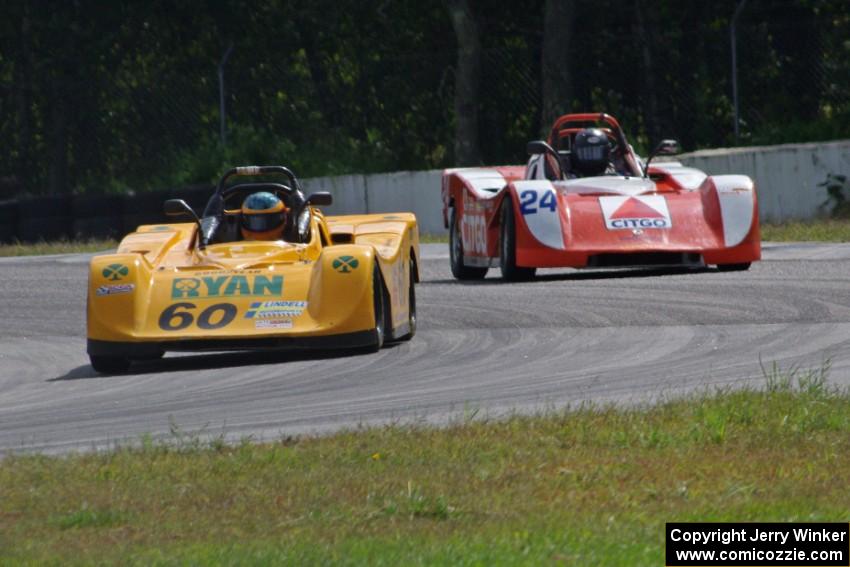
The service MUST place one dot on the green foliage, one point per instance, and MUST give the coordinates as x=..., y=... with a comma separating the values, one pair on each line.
x=249, y=145
x=838, y=195
x=106, y=100
x=207, y=161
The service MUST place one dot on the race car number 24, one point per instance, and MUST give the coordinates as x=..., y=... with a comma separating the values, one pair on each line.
x=178, y=316
x=528, y=201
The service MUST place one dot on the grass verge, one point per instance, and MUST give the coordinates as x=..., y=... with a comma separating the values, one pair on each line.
x=819, y=230
x=430, y=238
x=57, y=247
x=586, y=486
x=824, y=230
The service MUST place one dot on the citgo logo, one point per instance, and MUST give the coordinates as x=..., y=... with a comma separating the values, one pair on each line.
x=227, y=286
x=645, y=211
x=115, y=272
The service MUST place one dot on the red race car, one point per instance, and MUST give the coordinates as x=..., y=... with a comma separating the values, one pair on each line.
x=586, y=200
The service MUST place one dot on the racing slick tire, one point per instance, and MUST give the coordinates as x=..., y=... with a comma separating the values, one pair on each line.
x=734, y=267
x=109, y=364
x=411, y=299
x=459, y=269
x=507, y=247
x=381, y=310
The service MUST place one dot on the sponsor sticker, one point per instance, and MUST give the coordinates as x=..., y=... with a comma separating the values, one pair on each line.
x=273, y=324
x=635, y=213
x=114, y=289
x=345, y=264
x=275, y=309
x=115, y=272
x=248, y=285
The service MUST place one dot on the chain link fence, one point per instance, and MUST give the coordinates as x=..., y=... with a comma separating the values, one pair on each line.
x=123, y=125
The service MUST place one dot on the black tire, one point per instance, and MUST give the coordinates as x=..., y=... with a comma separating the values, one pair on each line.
x=459, y=270
x=734, y=267
x=380, y=310
x=507, y=247
x=411, y=298
x=110, y=364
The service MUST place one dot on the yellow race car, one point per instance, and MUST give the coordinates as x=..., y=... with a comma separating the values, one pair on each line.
x=261, y=268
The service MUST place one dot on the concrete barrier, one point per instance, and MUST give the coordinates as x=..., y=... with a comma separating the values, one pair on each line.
x=45, y=218
x=8, y=221
x=404, y=191
x=97, y=216
x=786, y=176
x=143, y=208
x=349, y=192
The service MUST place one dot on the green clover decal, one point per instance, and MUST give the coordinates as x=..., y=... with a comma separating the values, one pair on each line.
x=115, y=272
x=345, y=264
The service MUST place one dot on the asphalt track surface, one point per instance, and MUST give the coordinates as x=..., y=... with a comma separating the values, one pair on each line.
x=486, y=347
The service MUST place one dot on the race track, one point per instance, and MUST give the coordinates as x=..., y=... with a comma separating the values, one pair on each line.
x=484, y=347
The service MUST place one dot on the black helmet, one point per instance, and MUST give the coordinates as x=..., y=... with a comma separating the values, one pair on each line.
x=590, y=152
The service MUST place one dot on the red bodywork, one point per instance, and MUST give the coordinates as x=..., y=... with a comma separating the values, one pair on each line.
x=678, y=215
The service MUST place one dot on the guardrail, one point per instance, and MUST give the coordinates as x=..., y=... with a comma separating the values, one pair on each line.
x=787, y=178
x=83, y=216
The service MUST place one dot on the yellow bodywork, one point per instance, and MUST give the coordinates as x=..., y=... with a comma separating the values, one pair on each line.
x=160, y=288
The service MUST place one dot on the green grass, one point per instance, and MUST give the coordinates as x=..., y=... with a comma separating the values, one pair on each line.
x=430, y=238
x=821, y=230
x=824, y=230
x=584, y=486
x=57, y=247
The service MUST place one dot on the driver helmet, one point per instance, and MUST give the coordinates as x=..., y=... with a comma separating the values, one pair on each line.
x=590, y=153
x=263, y=217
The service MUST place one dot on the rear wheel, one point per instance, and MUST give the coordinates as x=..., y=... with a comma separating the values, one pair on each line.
x=459, y=270
x=507, y=245
x=411, y=302
x=109, y=364
x=734, y=267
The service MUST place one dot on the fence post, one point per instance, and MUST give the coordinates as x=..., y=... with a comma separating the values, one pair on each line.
x=733, y=38
x=221, y=110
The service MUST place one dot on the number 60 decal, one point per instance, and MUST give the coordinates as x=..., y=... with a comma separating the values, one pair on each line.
x=528, y=201
x=179, y=316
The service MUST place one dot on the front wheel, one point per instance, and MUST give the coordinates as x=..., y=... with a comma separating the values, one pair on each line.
x=411, y=305
x=507, y=245
x=109, y=364
x=459, y=269
x=380, y=310
x=734, y=267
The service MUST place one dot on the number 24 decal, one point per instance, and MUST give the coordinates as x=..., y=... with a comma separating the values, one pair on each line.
x=528, y=201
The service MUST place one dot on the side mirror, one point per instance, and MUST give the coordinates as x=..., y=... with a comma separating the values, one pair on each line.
x=179, y=208
x=320, y=199
x=664, y=148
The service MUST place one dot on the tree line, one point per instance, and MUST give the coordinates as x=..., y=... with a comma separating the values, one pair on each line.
x=101, y=96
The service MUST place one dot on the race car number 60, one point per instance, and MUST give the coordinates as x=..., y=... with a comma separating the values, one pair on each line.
x=173, y=320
